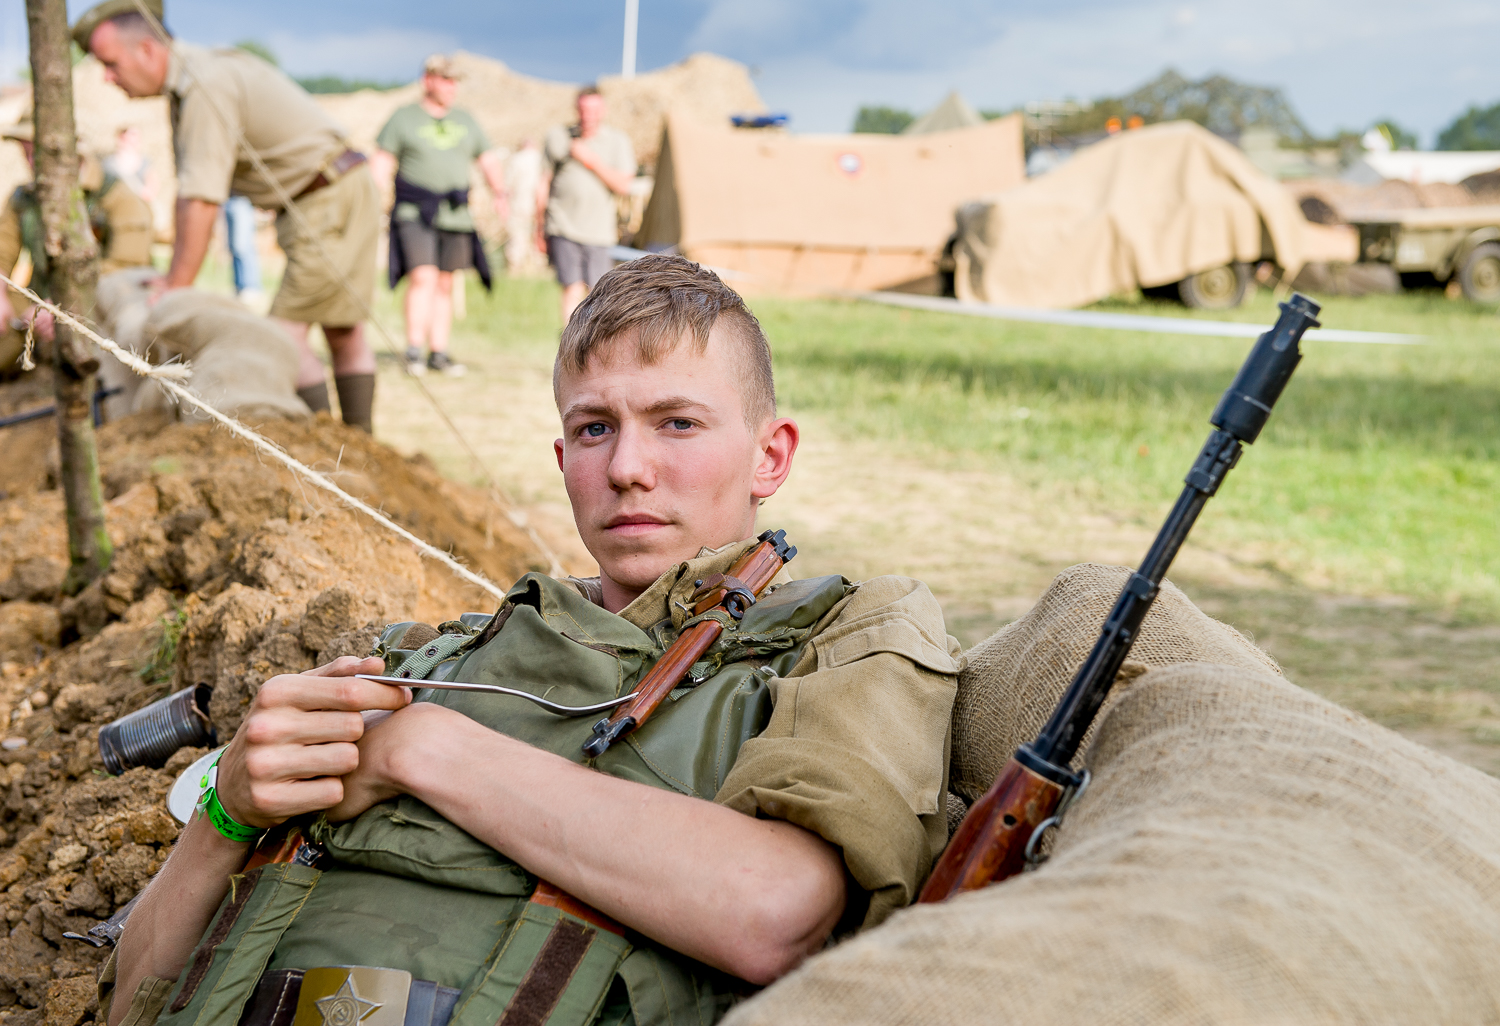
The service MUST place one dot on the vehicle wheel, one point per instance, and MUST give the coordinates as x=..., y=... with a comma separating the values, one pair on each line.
x=1218, y=289
x=1480, y=275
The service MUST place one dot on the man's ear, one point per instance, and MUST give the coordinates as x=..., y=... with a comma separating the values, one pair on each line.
x=557, y=447
x=776, y=446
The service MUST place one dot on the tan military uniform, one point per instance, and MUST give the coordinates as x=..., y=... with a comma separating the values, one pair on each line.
x=121, y=221
x=857, y=747
x=216, y=97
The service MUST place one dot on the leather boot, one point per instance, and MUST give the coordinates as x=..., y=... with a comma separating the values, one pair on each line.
x=315, y=396
x=357, y=399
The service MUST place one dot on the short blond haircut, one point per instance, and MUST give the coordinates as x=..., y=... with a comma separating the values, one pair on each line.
x=665, y=300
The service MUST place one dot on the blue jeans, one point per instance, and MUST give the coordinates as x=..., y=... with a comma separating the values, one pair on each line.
x=239, y=215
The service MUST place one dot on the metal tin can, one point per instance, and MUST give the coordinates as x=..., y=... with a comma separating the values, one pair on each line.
x=149, y=736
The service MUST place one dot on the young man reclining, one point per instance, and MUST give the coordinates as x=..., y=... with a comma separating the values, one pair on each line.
x=793, y=793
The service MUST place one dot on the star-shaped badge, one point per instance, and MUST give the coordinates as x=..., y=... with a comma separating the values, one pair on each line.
x=345, y=1008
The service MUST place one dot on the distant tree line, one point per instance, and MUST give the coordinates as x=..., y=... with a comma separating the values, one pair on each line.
x=1222, y=105
x=1474, y=129
x=318, y=83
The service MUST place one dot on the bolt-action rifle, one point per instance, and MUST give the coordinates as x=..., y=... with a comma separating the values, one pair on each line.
x=733, y=593
x=999, y=836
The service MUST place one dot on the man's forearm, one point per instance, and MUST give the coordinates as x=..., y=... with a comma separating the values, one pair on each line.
x=166, y=925
x=383, y=167
x=493, y=170
x=752, y=897
x=618, y=182
x=195, y=230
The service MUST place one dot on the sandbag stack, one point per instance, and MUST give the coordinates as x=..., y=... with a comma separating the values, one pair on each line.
x=1246, y=852
x=243, y=364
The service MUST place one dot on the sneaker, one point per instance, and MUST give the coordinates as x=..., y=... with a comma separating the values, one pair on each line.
x=441, y=363
x=414, y=365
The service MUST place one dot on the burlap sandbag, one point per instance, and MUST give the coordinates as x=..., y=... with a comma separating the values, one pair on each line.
x=122, y=304
x=1013, y=679
x=243, y=364
x=1247, y=853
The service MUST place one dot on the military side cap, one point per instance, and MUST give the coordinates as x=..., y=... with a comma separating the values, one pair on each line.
x=21, y=131
x=92, y=18
x=442, y=66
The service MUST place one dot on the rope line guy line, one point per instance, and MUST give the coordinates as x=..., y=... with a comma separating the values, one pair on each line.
x=167, y=376
x=304, y=227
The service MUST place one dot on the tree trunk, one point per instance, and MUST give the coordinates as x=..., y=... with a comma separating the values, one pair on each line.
x=74, y=258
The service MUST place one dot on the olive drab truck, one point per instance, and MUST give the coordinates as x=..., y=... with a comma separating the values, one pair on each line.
x=1451, y=244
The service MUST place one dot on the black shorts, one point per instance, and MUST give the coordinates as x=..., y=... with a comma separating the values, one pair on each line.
x=575, y=262
x=433, y=247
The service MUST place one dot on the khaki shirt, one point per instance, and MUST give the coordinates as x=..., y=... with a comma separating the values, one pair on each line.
x=857, y=747
x=580, y=207
x=218, y=95
x=127, y=218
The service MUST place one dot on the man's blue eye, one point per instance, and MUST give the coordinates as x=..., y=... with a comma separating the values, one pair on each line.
x=595, y=430
x=682, y=425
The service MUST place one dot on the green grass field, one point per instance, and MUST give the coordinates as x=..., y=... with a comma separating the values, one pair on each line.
x=1376, y=475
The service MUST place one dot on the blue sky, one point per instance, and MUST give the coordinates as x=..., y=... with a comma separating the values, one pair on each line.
x=1343, y=63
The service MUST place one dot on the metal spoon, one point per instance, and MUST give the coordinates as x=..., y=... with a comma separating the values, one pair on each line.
x=496, y=689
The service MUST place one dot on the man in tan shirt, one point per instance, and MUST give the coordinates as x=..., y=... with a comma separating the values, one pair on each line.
x=224, y=102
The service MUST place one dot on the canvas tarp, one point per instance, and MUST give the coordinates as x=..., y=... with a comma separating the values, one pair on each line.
x=953, y=112
x=810, y=213
x=1143, y=208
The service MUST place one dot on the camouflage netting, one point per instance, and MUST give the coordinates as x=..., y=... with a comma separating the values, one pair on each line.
x=1246, y=853
x=226, y=571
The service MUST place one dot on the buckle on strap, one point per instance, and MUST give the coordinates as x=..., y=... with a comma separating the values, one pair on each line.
x=353, y=996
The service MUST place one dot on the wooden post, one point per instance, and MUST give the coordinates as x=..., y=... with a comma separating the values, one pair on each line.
x=74, y=258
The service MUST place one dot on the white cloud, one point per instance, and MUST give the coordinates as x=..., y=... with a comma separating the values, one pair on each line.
x=1342, y=63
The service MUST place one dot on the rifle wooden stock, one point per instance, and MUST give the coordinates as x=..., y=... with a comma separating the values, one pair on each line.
x=736, y=592
x=990, y=844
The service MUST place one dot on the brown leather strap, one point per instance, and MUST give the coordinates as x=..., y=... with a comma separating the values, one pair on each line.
x=339, y=166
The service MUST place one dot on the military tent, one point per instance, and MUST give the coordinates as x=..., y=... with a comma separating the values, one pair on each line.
x=1143, y=208
x=809, y=213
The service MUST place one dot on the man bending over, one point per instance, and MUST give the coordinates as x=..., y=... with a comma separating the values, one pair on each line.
x=792, y=789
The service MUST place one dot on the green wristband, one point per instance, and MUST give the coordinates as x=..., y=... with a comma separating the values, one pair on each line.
x=223, y=822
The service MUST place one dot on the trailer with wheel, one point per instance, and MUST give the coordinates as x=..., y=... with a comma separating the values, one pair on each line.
x=1441, y=244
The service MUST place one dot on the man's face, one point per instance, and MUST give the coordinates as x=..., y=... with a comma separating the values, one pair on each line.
x=658, y=460
x=135, y=62
x=590, y=112
x=29, y=149
x=440, y=90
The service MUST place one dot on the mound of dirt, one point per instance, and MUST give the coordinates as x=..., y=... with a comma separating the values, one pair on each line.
x=227, y=571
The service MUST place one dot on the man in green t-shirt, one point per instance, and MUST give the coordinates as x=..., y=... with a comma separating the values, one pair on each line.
x=429, y=147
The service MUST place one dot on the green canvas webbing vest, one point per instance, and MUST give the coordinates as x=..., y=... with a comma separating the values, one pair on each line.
x=34, y=239
x=410, y=890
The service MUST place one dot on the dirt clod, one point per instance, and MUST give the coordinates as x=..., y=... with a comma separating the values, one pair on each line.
x=227, y=571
